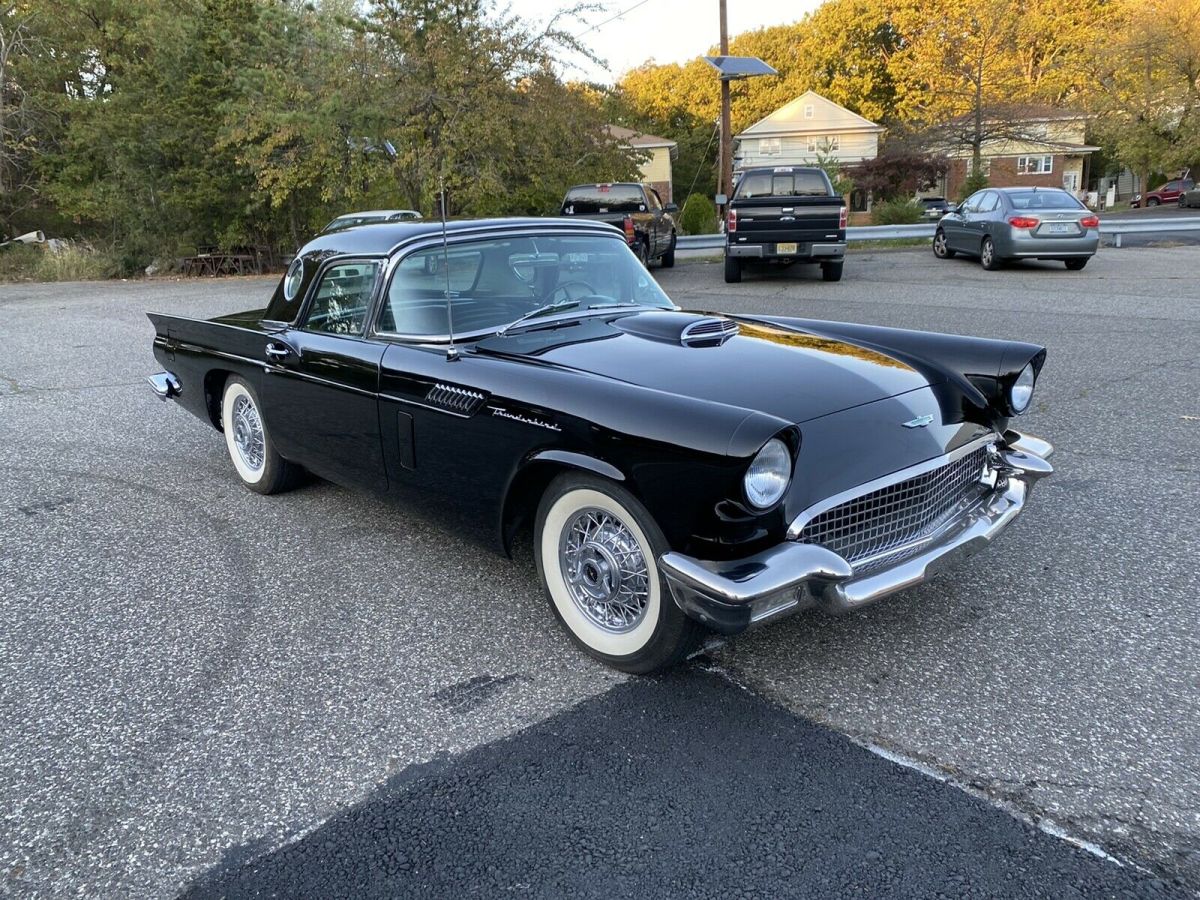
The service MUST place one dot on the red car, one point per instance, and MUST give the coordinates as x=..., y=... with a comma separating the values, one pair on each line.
x=1167, y=193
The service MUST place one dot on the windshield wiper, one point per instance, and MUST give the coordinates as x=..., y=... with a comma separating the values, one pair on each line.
x=557, y=307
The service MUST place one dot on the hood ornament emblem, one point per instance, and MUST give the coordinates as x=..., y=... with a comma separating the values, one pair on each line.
x=918, y=422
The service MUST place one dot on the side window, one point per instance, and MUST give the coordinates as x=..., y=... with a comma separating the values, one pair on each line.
x=971, y=204
x=652, y=196
x=343, y=297
x=989, y=202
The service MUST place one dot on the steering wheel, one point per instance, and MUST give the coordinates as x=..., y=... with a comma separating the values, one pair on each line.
x=565, y=288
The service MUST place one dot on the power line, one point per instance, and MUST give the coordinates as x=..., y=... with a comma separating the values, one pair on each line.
x=624, y=12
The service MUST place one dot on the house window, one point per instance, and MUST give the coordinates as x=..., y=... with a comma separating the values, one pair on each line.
x=1035, y=165
x=812, y=145
x=808, y=110
x=770, y=146
x=834, y=142
x=827, y=144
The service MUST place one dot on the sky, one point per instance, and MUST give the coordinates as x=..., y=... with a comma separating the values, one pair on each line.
x=662, y=30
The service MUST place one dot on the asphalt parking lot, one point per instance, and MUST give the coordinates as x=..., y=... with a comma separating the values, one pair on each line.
x=210, y=691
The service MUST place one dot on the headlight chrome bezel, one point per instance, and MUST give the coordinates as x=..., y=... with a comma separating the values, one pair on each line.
x=772, y=464
x=1020, y=394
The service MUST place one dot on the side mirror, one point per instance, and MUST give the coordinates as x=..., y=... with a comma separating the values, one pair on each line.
x=671, y=208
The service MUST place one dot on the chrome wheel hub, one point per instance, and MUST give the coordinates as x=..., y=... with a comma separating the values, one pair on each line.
x=604, y=570
x=248, y=434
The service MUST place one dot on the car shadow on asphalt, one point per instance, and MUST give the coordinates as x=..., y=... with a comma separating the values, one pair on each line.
x=682, y=785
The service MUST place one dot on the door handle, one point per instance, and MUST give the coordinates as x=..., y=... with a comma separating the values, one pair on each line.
x=278, y=351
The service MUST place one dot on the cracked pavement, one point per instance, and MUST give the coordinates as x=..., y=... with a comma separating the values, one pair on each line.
x=209, y=689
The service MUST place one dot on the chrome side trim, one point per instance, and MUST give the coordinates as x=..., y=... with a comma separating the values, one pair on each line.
x=921, y=468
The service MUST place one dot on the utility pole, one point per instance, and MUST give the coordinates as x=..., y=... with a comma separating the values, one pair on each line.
x=725, y=176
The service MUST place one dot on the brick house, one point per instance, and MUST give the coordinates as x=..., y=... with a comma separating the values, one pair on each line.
x=1044, y=149
x=656, y=170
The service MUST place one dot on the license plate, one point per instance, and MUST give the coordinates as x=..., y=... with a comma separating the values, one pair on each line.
x=785, y=248
x=1059, y=227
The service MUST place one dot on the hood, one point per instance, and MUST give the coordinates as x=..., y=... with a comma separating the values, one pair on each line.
x=793, y=375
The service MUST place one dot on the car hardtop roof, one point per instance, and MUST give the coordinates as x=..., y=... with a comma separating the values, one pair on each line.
x=1032, y=187
x=372, y=212
x=591, y=184
x=386, y=237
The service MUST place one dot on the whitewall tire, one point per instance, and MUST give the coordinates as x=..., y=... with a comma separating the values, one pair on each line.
x=254, y=459
x=597, y=552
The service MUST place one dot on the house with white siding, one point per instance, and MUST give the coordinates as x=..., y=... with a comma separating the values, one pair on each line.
x=798, y=131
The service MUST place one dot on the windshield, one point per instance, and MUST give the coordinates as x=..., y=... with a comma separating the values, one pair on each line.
x=1049, y=198
x=494, y=282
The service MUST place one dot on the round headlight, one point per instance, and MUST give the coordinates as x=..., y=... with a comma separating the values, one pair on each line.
x=768, y=476
x=1022, y=390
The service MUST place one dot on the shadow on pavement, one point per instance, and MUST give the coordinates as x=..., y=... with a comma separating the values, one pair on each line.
x=684, y=786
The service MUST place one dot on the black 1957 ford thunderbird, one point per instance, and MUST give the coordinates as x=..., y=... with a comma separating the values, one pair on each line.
x=681, y=471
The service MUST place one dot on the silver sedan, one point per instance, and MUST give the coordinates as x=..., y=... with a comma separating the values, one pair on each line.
x=1002, y=224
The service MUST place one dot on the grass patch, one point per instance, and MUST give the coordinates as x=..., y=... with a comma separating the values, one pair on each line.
x=63, y=261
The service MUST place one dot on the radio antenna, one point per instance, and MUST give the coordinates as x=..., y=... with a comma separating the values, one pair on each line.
x=451, y=351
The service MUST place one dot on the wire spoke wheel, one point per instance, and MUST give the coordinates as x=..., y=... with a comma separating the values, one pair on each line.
x=604, y=570
x=248, y=435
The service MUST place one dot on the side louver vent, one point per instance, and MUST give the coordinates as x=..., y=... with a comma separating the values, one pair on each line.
x=708, y=333
x=455, y=399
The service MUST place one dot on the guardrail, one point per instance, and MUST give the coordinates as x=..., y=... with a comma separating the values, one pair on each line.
x=1109, y=227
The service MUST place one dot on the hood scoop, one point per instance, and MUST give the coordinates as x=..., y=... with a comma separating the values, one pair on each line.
x=708, y=332
x=686, y=329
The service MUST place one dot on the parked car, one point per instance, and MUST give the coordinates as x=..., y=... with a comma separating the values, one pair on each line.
x=999, y=225
x=1190, y=199
x=785, y=214
x=1167, y=193
x=371, y=217
x=681, y=471
x=935, y=207
x=648, y=223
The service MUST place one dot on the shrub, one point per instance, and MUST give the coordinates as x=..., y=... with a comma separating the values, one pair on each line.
x=62, y=261
x=698, y=215
x=976, y=181
x=897, y=212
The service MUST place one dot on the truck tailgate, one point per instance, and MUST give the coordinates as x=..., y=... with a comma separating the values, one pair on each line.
x=794, y=219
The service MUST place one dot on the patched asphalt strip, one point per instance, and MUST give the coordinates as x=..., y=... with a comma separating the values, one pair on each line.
x=682, y=786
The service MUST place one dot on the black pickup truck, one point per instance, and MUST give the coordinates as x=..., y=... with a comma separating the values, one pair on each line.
x=648, y=223
x=786, y=214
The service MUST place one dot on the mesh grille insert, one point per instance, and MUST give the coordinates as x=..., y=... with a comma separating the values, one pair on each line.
x=898, y=514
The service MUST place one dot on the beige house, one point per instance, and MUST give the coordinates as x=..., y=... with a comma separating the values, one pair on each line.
x=656, y=170
x=800, y=130
x=1044, y=149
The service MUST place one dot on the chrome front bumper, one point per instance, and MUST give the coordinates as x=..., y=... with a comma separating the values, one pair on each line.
x=731, y=596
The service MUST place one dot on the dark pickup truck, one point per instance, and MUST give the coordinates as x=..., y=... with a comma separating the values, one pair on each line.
x=648, y=223
x=786, y=214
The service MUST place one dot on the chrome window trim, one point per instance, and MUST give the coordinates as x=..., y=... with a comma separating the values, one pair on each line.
x=801, y=521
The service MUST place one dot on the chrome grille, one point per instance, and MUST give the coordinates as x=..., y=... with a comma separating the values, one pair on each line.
x=887, y=520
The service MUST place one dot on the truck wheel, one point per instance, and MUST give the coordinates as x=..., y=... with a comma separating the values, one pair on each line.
x=261, y=469
x=596, y=548
x=668, y=258
x=832, y=271
x=642, y=253
x=733, y=270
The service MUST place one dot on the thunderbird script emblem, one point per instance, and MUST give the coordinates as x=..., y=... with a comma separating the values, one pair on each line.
x=918, y=422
